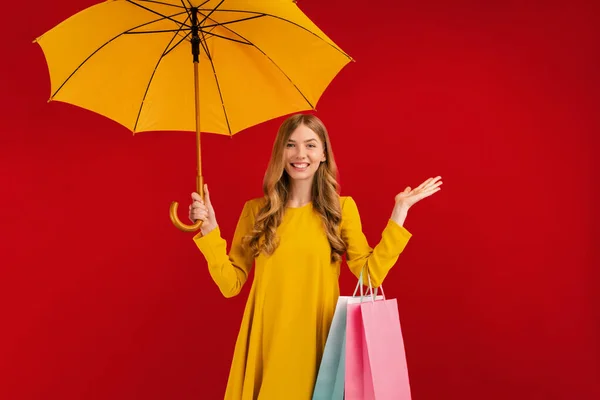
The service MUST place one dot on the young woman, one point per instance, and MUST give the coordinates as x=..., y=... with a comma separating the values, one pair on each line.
x=295, y=237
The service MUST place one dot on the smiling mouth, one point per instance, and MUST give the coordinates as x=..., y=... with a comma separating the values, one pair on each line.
x=300, y=166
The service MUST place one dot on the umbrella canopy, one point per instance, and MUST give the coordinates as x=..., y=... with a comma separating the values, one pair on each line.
x=131, y=61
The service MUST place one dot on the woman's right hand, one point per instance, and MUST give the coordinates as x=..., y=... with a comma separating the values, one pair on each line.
x=203, y=210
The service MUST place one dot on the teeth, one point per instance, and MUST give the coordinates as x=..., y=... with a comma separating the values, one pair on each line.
x=300, y=165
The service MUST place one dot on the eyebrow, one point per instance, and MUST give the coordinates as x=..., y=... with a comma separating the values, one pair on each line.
x=306, y=141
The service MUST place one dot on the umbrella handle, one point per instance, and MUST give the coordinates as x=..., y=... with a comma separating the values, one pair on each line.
x=199, y=179
x=177, y=222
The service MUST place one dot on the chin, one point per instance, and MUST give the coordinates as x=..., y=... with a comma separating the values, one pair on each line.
x=300, y=176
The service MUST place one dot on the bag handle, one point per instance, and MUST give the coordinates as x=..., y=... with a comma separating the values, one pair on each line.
x=372, y=292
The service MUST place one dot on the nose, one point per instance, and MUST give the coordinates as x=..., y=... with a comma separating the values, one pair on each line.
x=301, y=153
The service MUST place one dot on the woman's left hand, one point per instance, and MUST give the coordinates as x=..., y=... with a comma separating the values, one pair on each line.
x=409, y=197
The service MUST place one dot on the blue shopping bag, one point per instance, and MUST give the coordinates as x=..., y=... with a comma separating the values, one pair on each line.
x=330, y=379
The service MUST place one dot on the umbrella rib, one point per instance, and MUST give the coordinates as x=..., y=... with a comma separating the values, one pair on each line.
x=233, y=21
x=205, y=47
x=137, y=119
x=225, y=37
x=274, y=63
x=167, y=50
x=177, y=44
x=186, y=9
x=155, y=12
x=210, y=13
x=286, y=20
x=217, y=24
x=100, y=48
x=160, y=31
x=210, y=32
x=162, y=3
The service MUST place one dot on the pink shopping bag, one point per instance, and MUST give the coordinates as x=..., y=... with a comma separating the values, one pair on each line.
x=376, y=366
x=358, y=384
x=384, y=346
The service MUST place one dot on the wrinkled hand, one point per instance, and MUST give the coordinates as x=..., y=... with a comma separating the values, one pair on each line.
x=203, y=210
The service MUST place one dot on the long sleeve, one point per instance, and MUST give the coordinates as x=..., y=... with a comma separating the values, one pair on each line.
x=378, y=260
x=229, y=271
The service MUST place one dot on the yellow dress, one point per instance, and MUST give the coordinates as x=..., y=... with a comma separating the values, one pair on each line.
x=293, y=296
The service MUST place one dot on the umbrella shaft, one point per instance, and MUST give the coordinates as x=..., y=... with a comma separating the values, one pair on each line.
x=196, y=54
x=199, y=180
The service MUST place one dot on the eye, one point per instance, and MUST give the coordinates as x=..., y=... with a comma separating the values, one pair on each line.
x=312, y=145
x=289, y=145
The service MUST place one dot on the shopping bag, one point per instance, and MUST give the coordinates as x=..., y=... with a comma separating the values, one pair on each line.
x=357, y=382
x=384, y=349
x=330, y=379
x=357, y=386
x=376, y=366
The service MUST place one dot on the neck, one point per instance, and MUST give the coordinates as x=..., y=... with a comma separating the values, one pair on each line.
x=300, y=193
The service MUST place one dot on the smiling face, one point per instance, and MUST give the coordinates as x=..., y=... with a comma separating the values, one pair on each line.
x=303, y=153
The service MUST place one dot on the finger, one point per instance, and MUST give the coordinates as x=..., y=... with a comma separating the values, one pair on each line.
x=201, y=215
x=436, y=185
x=196, y=196
x=196, y=214
x=407, y=190
x=433, y=191
x=422, y=185
x=201, y=208
x=428, y=193
x=207, y=196
x=433, y=181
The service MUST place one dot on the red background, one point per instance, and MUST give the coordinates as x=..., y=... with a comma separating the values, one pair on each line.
x=102, y=298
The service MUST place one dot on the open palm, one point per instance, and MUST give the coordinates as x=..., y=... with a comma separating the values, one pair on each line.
x=409, y=196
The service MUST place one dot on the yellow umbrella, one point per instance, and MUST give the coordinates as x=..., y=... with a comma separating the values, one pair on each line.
x=131, y=62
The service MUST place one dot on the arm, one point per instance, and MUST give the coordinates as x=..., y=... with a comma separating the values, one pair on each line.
x=359, y=254
x=228, y=271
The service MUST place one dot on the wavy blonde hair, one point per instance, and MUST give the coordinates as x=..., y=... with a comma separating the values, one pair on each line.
x=276, y=184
